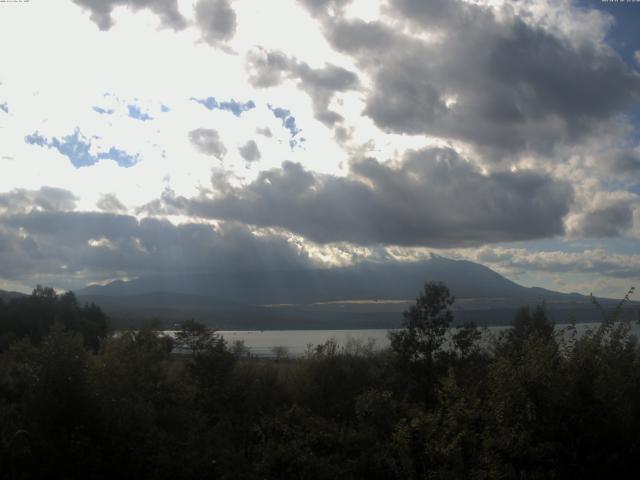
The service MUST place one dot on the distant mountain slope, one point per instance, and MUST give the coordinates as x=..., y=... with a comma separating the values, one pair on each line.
x=162, y=300
x=6, y=296
x=366, y=281
x=324, y=298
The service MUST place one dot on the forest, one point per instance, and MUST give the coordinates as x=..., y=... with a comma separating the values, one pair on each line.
x=80, y=401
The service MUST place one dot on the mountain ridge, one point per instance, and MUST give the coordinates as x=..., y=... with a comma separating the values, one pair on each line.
x=365, y=295
x=7, y=295
x=366, y=281
x=324, y=298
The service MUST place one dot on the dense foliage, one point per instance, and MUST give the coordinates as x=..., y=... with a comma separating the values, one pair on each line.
x=532, y=402
x=33, y=316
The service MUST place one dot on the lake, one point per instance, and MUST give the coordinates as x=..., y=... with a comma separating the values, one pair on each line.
x=261, y=343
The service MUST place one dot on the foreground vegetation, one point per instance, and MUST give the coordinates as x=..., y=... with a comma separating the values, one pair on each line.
x=76, y=402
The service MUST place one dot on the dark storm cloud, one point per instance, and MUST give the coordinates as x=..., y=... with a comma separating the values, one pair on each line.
x=597, y=261
x=609, y=220
x=250, y=152
x=267, y=69
x=501, y=84
x=320, y=7
x=216, y=19
x=110, y=203
x=46, y=198
x=207, y=141
x=433, y=198
x=330, y=78
x=100, y=11
x=93, y=246
x=625, y=163
x=321, y=84
x=264, y=131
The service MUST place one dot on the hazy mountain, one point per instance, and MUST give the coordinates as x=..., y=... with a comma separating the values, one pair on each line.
x=367, y=281
x=6, y=296
x=366, y=295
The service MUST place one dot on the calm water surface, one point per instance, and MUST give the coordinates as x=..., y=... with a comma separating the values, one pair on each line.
x=262, y=343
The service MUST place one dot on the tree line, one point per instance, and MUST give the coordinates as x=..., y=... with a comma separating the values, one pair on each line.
x=77, y=401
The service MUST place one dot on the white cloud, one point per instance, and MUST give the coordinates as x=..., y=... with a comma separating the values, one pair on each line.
x=157, y=56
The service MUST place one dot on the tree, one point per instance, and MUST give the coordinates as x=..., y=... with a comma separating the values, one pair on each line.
x=195, y=336
x=425, y=324
x=280, y=352
x=423, y=332
x=44, y=292
x=33, y=317
x=528, y=325
x=466, y=340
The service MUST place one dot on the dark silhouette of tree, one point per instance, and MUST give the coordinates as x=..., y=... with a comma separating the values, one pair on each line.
x=466, y=340
x=422, y=335
x=528, y=326
x=33, y=317
x=528, y=404
x=195, y=337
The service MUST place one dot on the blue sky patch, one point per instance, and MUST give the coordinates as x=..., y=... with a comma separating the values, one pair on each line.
x=624, y=34
x=624, y=37
x=77, y=148
x=288, y=122
x=121, y=157
x=164, y=108
x=138, y=114
x=4, y=107
x=102, y=111
x=36, y=139
x=237, y=108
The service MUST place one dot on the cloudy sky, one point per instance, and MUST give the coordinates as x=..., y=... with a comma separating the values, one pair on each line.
x=151, y=136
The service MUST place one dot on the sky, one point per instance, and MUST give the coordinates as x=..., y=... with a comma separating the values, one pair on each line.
x=142, y=137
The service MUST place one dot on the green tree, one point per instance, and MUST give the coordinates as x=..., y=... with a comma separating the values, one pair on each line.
x=422, y=335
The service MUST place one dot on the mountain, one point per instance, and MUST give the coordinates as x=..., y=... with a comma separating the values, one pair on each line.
x=5, y=296
x=367, y=281
x=367, y=295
